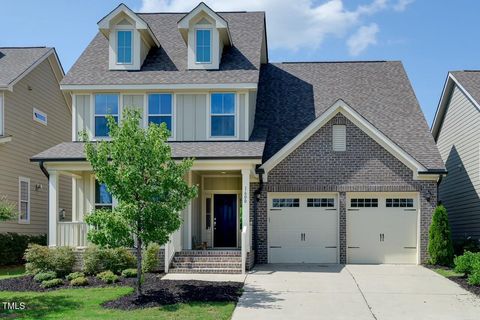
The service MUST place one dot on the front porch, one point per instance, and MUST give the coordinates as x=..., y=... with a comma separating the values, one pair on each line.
x=216, y=233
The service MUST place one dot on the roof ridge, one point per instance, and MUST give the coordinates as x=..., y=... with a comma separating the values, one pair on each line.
x=177, y=12
x=27, y=47
x=340, y=61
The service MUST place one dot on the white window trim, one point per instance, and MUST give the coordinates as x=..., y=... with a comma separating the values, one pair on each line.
x=95, y=114
x=172, y=115
x=132, y=44
x=236, y=114
x=211, y=44
x=23, y=221
x=35, y=110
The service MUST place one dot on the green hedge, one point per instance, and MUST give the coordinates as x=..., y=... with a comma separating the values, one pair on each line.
x=13, y=246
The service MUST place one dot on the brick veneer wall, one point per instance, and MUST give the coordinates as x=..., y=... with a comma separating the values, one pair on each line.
x=364, y=167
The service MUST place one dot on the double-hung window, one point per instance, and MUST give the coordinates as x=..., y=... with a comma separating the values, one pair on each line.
x=103, y=198
x=160, y=109
x=24, y=200
x=203, y=45
x=124, y=47
x=222, y=115
x=106, y=104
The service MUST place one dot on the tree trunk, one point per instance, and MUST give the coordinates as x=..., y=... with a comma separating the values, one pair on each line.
x=139, y=267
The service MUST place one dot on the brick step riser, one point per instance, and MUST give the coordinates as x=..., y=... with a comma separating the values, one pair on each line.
x=205, y=271
x=206, y=265
x=207, y=259
x=208, y=254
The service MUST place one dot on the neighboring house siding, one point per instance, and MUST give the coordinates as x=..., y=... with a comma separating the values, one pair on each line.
x=365, y=166
x=38, y=89
x=459, y=146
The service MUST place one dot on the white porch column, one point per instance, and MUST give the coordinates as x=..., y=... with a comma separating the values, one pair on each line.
x=52, y=208
x=188, y=223
x=246, y=203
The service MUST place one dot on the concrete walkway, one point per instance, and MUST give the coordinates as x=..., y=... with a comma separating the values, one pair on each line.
x=373, y=292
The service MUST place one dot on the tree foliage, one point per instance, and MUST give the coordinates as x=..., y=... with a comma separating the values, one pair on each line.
x=440, y=245
x=7, y=209
x=136, y=166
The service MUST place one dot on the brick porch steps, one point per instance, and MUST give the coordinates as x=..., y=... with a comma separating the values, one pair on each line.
x=207, y=261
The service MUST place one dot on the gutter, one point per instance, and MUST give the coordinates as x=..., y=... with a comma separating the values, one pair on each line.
x=256, y=199
x=44, y=170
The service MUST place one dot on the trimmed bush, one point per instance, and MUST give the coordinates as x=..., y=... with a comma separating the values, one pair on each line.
x=43, y=276
x=129, y=273
x=52, y=283
x=151, y=259
x=74, y=275
x=13, y=246
x=41, y=259
x=474, y=277
x=79, y=282
x=440, y=245
x=465, y=263
x=107, y=276
x=96, y=260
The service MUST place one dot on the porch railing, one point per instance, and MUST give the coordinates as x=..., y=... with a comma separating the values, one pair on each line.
x=72, y=234
x=173, y=245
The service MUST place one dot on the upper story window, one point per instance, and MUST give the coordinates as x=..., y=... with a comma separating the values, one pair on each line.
x=124, y=47
x=222, y=115
x=160, y=109
x=105, y=104
x=203, y=45
x=103, y=198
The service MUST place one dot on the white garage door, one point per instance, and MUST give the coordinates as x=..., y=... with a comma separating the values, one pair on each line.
x=382, y=227
x=302, y=228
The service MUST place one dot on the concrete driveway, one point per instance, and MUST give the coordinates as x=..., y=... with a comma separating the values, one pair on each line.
x=373, y=292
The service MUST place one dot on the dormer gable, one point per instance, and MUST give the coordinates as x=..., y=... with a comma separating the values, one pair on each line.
x=206, y=34
x=129, y=37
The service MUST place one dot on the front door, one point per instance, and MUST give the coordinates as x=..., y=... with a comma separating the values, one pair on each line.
x=225, y=220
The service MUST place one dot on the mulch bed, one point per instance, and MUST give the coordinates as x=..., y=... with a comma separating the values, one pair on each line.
x=462, y=281
x=27, y=283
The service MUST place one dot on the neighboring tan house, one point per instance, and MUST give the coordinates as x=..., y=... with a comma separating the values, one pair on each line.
x=327, y=162
x=34, y=115
x=456, y=129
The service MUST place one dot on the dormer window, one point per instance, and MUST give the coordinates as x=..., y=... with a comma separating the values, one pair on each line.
x=203, y=48
x=124, y=47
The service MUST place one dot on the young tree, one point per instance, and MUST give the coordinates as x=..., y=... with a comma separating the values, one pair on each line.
x=440, y=245
x=137, y=168
x=7, y=209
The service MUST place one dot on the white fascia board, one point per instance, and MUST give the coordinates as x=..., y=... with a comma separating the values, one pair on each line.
x=445, y=97
x=341, y=107
x=178, y=86
x=185, y=21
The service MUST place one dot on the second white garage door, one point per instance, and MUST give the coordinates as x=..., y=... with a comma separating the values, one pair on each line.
x=382, y=228
x=302, y=228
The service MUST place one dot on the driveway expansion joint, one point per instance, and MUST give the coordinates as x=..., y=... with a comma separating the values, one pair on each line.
x=361, y=292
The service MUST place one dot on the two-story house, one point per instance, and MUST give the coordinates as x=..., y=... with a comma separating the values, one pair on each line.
x=323, y=162
x=457, y=133
x=34, y=115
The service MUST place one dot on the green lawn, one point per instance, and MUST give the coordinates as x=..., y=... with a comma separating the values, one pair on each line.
x=85, y=304
x=11, y=271
x=447, y=272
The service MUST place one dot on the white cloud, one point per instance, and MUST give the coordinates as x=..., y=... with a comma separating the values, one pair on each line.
x=401, y=5
x=301, y=24
x=364, y=37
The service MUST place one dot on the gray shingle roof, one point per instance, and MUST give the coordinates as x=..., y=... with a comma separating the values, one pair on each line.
x=15, y=61
x=292, y=95
x=470, y=80
x=168, y=64
x=200, y=150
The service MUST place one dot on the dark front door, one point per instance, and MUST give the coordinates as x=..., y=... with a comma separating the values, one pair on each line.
x=225, y=220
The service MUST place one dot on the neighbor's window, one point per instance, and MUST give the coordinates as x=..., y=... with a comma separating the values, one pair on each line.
x=160, y=109
x=364, y=203
x=103, y=198
x=124, y=47
x=24, y=200
x=339, y=139
x=203, y=45
x=320, y=202
x=105, y=105
x=222, y=115
x=286, y=203
x=39, y=116
x=399, y=203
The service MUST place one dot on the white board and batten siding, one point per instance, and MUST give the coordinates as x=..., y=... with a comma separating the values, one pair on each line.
x=459, y=145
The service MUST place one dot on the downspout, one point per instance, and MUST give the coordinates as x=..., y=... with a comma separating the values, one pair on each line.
x=45, y=172
x=256, y=198
x=439, y=202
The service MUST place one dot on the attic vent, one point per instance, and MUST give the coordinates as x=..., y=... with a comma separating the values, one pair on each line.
x=203, y=21
x=124, y=22
x=339, y=138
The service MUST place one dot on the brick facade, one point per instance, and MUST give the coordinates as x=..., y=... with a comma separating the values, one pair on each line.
x=364, y=167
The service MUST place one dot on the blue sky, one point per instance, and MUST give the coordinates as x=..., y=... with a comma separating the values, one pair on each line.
x=430, y=37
